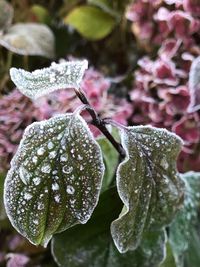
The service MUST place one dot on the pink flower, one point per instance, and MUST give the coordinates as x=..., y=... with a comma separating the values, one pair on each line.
x=17, y=260
x=165, y=72
x=192, y=6
x=169, y=48
x=189, y=161
x=16, y=112
x=188, y=129
x=176, y=100
x=183, y=24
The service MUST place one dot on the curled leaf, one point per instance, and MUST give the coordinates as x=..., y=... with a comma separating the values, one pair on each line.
x=32, y=39
x=194, y=85
x=57, y=76
x=55, y=178
x=148, y=184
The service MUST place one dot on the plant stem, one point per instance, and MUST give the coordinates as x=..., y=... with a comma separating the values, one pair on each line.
x=99, y=123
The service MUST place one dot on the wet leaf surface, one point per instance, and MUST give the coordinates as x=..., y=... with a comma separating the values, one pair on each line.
x=55, y=178
x=148, y=184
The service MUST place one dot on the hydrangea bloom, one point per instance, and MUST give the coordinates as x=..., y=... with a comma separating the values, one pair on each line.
x=154, y=21
x=16, y=112
x=160, y=92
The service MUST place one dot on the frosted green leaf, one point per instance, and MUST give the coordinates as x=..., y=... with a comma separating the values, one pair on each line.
x=184, y=231
x=91, y=244
x=194, y=85
x=147, y=182
x=31, y=39
x=44, y=81
x=55, y=178
x=6, y=15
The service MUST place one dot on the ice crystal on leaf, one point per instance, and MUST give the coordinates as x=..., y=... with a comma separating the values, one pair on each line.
x=44, y=81
x=148, y=184
x=43, y=196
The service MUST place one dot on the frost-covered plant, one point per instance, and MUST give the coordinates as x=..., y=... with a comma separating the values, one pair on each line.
x=58, y=171
x=17, y=111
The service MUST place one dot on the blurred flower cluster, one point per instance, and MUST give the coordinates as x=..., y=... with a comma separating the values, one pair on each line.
x=169, y=29
x=17, y=111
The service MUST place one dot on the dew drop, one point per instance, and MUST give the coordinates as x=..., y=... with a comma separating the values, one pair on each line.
x=36, y=222
x=164, y=163
x=52, y=154
x=35, y=159
x=40, y=151
x=55, y=187
x=57, y=198
x=80, y=157
x=36, y=180
x=24, y=175
x=67, y=169
x=27, y=196
x=63, y=158
x=40, y=206
x=59, y=136
x=46, y=168
x=50, y=145
x=70, y=190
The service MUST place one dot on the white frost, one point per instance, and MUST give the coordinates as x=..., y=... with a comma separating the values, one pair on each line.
x=44, y=81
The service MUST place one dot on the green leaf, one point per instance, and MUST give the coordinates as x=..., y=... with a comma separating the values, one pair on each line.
x=57, y=76
x=91, y=22
x=41, y=14
x=111, y=158
x=91, y=244
x=6, y=15
x=55, y=178
x=105, y=5
x=31, y=39
x=2, y=210
x=148, y=184
x=185, y=230
x=169, y=259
